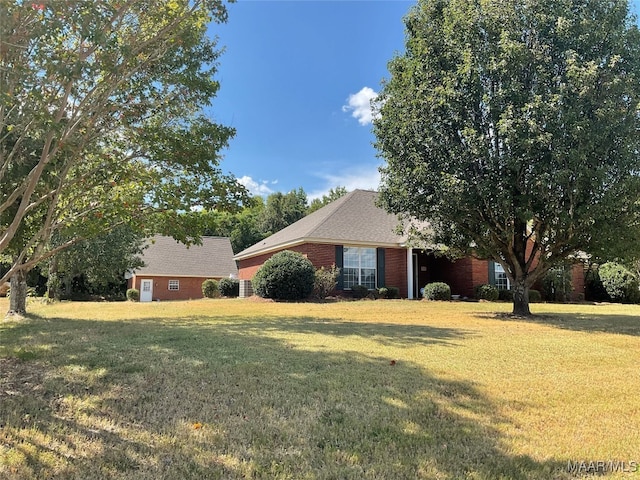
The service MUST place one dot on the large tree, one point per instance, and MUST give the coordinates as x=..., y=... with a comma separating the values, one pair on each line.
x=513, y=129
x=101, y=121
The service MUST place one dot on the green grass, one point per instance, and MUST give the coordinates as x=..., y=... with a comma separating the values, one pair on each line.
x=369, y=389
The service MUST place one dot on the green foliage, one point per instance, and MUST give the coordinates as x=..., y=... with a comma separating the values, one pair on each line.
x=103, y=125
x=393, y=292
x=383, y=292
x=359, y=291
x=282, y=210
x=325, y=281
x=556, y=284
x=507, y=121
x=229, y=287
x=486, y=292
x=594, y=289
x=620, y=284
x=286, y=275
x=95, y=266
x=210, y=288
x=133, y=294
x=318, y=203
x=535, y=296
x=437, y=291
x=505, y=295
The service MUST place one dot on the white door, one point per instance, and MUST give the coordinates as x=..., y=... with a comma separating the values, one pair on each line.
x=146, y=290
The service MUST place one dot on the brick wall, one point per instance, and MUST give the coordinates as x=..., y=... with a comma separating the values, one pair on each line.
x=395, y=269
x=189, y=287
x=324, y=255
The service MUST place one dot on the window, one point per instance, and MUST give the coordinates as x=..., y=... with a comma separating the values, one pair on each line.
x=174, y=284
x=359, y=267
x=502, y=281
x=146, y=286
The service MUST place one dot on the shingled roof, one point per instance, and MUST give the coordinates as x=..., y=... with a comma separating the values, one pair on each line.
x=165, y=256
x=352, y=219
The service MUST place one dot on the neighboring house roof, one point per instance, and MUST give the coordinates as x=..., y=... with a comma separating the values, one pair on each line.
x=352, y=219
x=166, y=256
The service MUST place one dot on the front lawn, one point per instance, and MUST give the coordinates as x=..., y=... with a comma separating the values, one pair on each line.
x=364, y=390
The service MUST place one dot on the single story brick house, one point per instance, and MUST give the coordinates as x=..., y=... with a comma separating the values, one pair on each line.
x=174, y=271
x=362, y=240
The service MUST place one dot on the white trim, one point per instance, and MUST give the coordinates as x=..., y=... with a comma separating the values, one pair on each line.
x=410, y=273
x=317, y=241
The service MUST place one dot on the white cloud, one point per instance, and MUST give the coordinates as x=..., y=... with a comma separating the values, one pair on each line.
x=256, y=188
x=363, y=177
x=359, y=104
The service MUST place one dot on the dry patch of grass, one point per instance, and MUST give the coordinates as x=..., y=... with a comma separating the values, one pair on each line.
x=370, y=389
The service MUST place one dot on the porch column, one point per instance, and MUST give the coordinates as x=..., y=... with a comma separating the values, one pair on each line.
x=410, y=273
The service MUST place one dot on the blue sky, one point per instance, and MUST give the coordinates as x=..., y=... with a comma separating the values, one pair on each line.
x=296, y=78
x=287, y=74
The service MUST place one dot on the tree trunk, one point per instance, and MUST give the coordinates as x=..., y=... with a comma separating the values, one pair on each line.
x=53, y=283
x=521, y=298
x=18, y=295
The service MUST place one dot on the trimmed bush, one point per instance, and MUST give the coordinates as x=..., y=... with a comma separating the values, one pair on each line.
x=437, y=291
x=594, y=290
x=229, y=287
x=325, y=281
x=359, y=291
x=383, y=292
x=210, y=288
x=393, y=292
x=133, y=295
x=286, y=275
x=505, y=295
x=486, y=292
x=534, y=296
x=620, y=284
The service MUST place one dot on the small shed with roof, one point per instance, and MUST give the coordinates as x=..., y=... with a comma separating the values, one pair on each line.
x=174, y=271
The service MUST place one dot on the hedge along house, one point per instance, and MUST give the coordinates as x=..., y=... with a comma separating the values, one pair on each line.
x=174, y=271
x=360, y=238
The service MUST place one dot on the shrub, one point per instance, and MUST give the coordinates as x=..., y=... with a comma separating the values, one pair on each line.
x=486, y=292
x=210, y=288
x=534, y=296
x=359, y=291
x=383, y=292
x=393, y=292
x=620, y=284
x=506, y=295
x=229, y=287
x=594, y=290
x=133, y=295
x=325, y=281
x=556, y=284
x=286, y=275
x=437, y=291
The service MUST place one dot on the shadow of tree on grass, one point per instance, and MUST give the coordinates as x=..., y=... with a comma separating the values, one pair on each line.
x=157, y=399
x=579, y=322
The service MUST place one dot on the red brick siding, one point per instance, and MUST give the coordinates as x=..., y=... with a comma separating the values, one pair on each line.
x=395, y=269
x=190, y=287
x=324, y=255
x=577, y=281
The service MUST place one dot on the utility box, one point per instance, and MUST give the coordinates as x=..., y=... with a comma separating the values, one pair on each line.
x=246, y=289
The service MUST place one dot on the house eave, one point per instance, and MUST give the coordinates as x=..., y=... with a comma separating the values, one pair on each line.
x=324, y=241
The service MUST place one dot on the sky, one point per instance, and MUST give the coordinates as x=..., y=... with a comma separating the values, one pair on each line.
x=296, y=78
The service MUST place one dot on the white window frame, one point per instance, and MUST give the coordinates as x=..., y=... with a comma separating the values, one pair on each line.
x=175, y=284
x=502, y=281
x=351, y=263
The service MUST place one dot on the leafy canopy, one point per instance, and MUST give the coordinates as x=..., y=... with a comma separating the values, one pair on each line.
x=512, y=128
x=101, y=120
